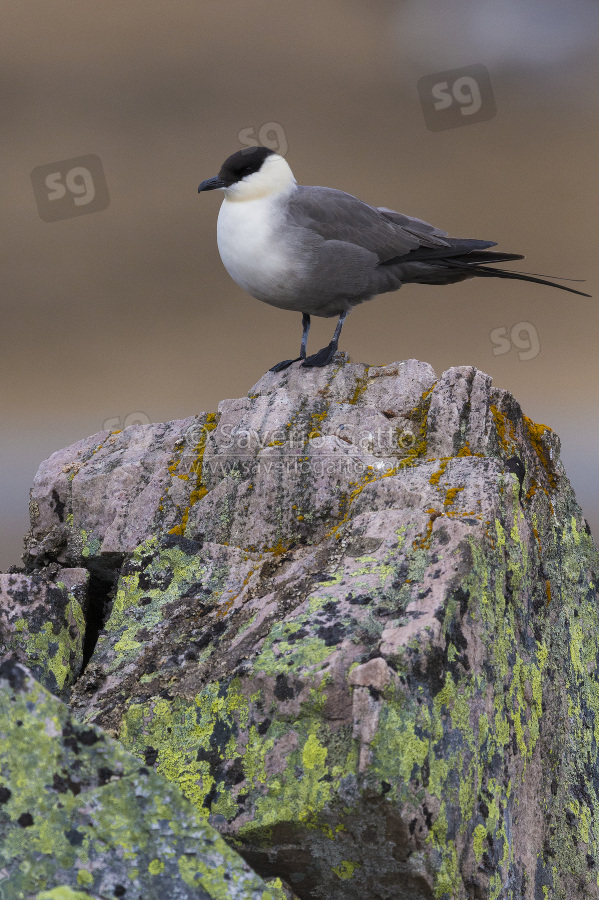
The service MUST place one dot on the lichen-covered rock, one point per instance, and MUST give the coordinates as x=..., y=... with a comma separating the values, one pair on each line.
x=95, y=501
x=80, y=817
x=367, y=647
x=281, y=891
x=42, y=624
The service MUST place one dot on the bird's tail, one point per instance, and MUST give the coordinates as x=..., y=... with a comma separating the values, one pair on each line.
x=473, y=263
x=464, y=258
x=488, y=272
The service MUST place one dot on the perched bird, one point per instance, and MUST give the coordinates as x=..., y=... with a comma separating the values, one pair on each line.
x=320, y=251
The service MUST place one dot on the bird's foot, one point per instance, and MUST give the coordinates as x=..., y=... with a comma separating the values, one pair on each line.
x=322, y=358
x=284, y=365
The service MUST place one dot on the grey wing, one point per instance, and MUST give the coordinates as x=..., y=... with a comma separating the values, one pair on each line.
x=428, y=235
x=336, y=216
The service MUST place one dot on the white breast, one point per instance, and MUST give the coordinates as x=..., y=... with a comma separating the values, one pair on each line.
x=251, y=248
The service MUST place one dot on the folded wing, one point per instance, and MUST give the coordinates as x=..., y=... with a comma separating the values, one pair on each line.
x=336, y=216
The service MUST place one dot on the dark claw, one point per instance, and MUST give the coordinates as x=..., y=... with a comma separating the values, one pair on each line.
x=322, y=358
x=284, y=365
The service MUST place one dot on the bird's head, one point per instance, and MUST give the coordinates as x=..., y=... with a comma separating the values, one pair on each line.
x=252, y=173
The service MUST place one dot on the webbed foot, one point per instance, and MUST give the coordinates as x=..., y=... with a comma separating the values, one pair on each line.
x=284, y=365
x=322, y=358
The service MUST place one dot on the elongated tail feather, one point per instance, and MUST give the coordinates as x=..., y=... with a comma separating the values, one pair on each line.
x=487, y=256
x=486, y=271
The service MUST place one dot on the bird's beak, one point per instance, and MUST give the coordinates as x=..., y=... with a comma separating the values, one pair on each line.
x=211, y=184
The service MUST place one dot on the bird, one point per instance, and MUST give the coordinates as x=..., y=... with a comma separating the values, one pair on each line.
x=320, y=251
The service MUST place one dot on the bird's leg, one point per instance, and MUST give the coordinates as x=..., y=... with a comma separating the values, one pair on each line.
x=288, y=362
x=324, y=356
x=306, y=327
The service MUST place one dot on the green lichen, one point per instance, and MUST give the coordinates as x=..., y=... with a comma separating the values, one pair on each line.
x=396, y=745
x=63, y=892
x=306, y=654
x=90, y=544
x=54, y=652
x=89, y=807
x=184, y=571
x=478, y=841
x=345, y=869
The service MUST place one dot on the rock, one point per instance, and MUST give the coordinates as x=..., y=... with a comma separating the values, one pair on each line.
x=94, y=502
x=42, y=624
x=80, y=817
x=363, y=641
x=281, y=891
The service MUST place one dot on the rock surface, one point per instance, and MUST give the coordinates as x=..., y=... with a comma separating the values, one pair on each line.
x=99, y=499
x=80, y=817
x=43, y=623
x=356, y=623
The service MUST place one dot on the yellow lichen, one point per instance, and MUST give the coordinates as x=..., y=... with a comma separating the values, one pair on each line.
x=200, y=489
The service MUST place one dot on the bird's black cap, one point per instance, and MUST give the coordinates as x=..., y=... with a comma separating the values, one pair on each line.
x=235, y=167
x=244, y=162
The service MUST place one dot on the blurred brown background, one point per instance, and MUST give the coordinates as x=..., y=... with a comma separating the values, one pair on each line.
x=128, y=309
